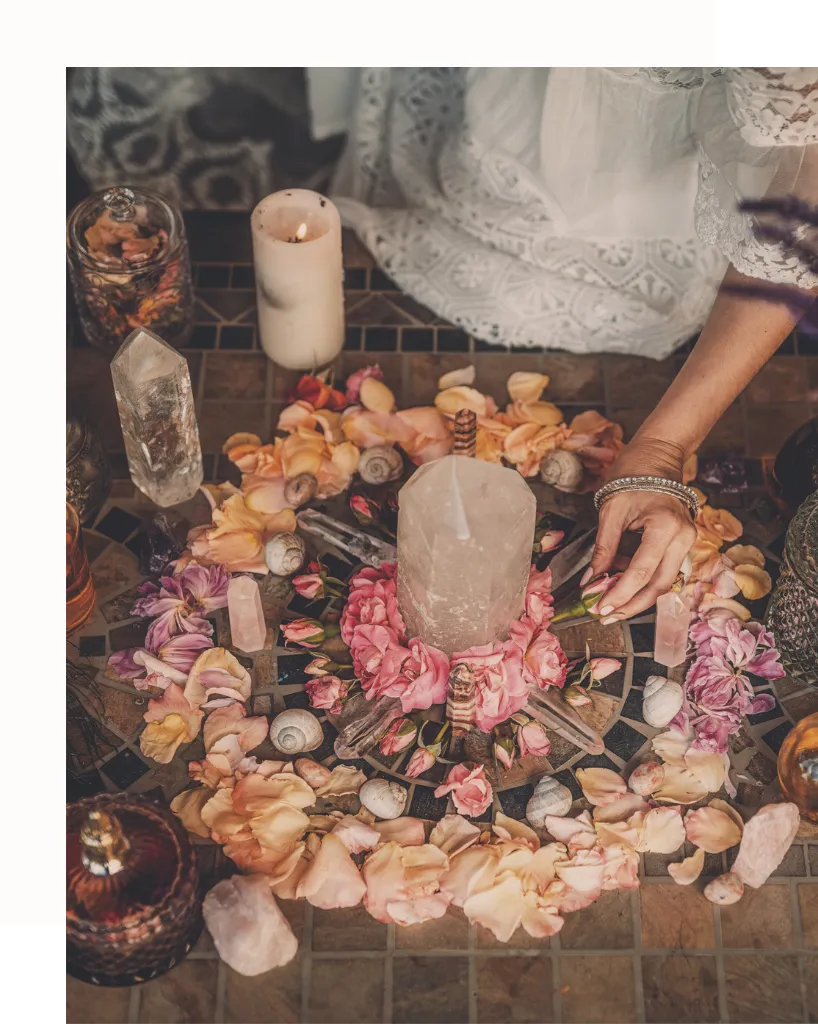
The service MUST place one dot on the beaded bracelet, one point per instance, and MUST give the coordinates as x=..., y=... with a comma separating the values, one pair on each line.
x=657, y=484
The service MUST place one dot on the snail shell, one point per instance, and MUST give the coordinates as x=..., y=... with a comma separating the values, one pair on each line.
x=380, y=464
x=646, y=778
x=661, y=702
x=296, y=731
x=549, y=797
x=563, y=470
x=385, y=799
x=300, y=489
x=284, y=554
x=725, y=889
x=313, y=773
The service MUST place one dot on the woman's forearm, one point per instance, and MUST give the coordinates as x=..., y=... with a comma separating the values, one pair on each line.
x=741, y=333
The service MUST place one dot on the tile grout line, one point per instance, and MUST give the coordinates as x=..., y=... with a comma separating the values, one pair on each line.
x=388, y=976
x=306, y=966
x=472, y=975
x=221, y=986
x=638, y=979
x=798, y=942
x=133, y=1004
x=556, y=978
x=721, y=974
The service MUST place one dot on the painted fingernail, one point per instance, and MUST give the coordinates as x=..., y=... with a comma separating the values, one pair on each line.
x=589, y=572
x=606, y=610
x=611, y=619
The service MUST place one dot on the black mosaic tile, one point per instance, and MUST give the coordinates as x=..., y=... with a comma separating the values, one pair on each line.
x=624, y=741
x=124, y=769
x=243, y=276
x=79, y=786
x=642, y=636
x=337, y=567
x=227, y=470
x=567, y=779
x=303, y=606
x=355, y=279
x=326, y=748
x=644, y=667
x=379, y=282
x=215, y=635
x=291, y=667
x=484, y=346
x=117, y=524
x=361, y=765
x=632, y=708
x=300, y=699
x=203, y=337
x=775, y=737
x=235, y=337
x=213, y=276
x=132, y=635
x=92, y=646
x=766, y=716
x=135, y=544
x=614, y=684
x=426, y=805
x=381, y=339
x=353, y=339
x=596, y=761
x=513, y=801
x=118, y=462
x=452, y=341
x=417, y=339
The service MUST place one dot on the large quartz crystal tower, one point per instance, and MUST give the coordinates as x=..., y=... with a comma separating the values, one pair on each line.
x=155, y=399
x=465, y=534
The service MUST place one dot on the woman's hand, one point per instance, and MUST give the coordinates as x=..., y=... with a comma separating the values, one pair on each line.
x=667, y=530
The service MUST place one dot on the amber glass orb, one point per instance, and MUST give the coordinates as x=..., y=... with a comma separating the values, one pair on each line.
x=798, y=766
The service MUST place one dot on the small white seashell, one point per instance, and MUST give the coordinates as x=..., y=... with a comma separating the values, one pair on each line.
x=296, y=731
x=646, y=778
x=563, y=470
x=313, y=773
x=725, y=889
x=385, y=799
x=661, y=702
x=549, y=798
x=300, y=489
x=380, y=464
x=284, y=554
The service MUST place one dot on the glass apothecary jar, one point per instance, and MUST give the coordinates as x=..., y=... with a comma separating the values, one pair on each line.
x=129, y=266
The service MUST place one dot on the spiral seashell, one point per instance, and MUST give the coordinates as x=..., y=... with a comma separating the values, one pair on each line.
x=663, y=699
x=646, y=778
x=300, y=489
x=284, y=554
x=563, y=470
x=380, y=464
x=296, y=731
x=313, y=773
x=549, y=797
x=385, y=799
x=725, y=889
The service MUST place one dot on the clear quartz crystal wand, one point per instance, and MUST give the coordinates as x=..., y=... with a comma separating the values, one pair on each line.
x=367, y=549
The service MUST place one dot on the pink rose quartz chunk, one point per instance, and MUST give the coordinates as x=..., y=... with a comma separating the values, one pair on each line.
x=249, y=930
x=767, y=837
x=247, y=625
x=672, y=625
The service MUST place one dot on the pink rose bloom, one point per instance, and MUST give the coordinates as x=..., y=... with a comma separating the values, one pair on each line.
x=309, y=585
x=355, y=380
x=532, y=739
x=181, y=603
x=400, y=735
x=710, y=624
x=470, y=790
x=423, y=679
x=551, y=540
x=712, y=736
x=544, y=661
x=421, y=761
x=366, y=510
x=377, y=657
x=373, y=601
x=504, y=752
x=597, y=587
x=327, y=692
x=498, y=676
x=304, y=632
x=169, y=663
x=539, y=604
x=320, y=665
x=601, y=668
x=577, y=697
x=752, y=650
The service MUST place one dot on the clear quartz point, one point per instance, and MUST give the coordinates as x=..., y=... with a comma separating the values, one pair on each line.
x=465, y=532
x=368, y=549
x=672, y=625
x=156, y=408
x=366, y=726
x=550, y=710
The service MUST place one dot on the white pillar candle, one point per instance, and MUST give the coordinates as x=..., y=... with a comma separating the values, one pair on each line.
x=299, y=278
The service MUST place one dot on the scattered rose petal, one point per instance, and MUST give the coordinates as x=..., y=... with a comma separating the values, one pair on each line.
x=376, y=396
x=456, y=378
x=453, y=834
x=172, y=721
x=332, y=880
x=403, y=830
x=687, y=871
x=499, y=909
x=343, y=780
x=216, y=671
x=452, y=400
x=745, y=554
x=711, y=829
x=355, y=834
x=680, y=786
x=511, y=830
x=753, y=582
x=729, y=810
x=523, y=386
x=664, y=830
x=710, y=769
x=600, y=785
x=672, y=745
x=187, y=807
x=620, y=808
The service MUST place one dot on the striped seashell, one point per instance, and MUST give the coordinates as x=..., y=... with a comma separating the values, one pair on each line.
x=465, y=433
x=462, y=700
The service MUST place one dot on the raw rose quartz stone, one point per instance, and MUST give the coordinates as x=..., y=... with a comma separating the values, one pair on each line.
x=767, y=837
x=247, y=626
x=250, y=932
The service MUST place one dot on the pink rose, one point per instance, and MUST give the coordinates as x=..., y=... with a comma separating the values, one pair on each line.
x=400, y=735
x=327, y=692
x=592, y=593
x=421, y=761
x=373, y=601
x=551, y=540
x=366, y=510
x=532, y=739
x=539, y=604
x=498, y=677
x=320, y=665
x=309, y=585
x=576, y=697
x=355, y=380
x=470, y=790
x=377, y=657
x=544, y=661
x=504, y=751
x=603, y=667
x=423, y=679
x=305, y=632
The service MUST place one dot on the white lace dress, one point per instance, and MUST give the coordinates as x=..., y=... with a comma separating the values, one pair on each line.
x=588, y=209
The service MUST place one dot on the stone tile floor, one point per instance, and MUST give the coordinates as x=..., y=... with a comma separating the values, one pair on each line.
x=661, y=953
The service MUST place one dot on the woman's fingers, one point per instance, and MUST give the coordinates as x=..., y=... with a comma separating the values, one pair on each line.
x=651, y=551
x=661, y=582
x=609, y=534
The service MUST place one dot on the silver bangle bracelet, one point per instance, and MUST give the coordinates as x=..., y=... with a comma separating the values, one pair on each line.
x=657, y=484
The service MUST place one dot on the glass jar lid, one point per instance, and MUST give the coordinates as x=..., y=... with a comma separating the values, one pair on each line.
x=124, y=230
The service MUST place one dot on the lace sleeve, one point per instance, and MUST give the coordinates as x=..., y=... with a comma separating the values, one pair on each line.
x=758, y=135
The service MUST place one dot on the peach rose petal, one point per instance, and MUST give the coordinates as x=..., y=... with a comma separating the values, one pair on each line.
x=621, y=833
x=332, y=880
x=711, y=830
x=709, y=769
x=687, y=871
x=172, y=721
x=753, y=582
x=710, y=601
x=545, y=414
x=470, y=872
x=620, y=808
x=239, y=440
x=745, y=554
x=216, y=670
x=542, y=868
x=510, y=829
x=452, y=400
x=187, y=807
x=729, y=810
x=498, y=909
x=523, y=386
x=376, y=396
x=583, y=872
x=680, y=786
x=576, y=832
x=342, y=781
x=464, y=376
x=672, y=746
x=406, y=831
x=284, y=883
x=355, y=834
x=664, y=830
x=453, y=834
x=540, y=918
x=601, y=785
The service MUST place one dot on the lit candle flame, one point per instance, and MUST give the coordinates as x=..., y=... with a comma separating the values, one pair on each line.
x=302, y=230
